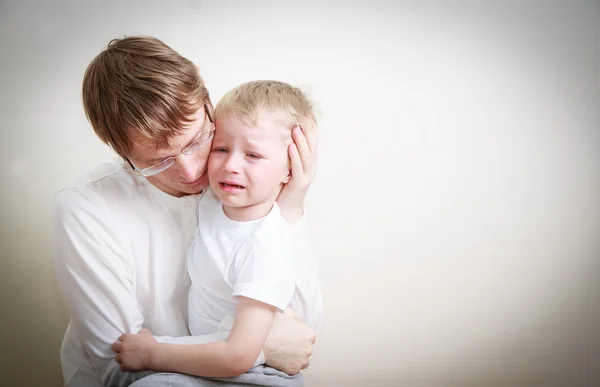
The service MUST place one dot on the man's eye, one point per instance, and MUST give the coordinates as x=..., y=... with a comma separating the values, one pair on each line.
x=253, y=156
x=157, y=162
x=204, y=138
x=193, y=145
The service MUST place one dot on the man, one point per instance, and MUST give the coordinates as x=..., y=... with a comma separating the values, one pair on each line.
x=121, y=232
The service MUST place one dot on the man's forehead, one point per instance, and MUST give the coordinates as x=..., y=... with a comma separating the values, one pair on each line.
x=146, y=148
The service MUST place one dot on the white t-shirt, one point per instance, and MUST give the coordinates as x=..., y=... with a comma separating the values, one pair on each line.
x=229, y=259
x=119, y=252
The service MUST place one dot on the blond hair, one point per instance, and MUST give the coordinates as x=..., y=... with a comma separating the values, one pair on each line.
x=138, y=83
x=248, y=100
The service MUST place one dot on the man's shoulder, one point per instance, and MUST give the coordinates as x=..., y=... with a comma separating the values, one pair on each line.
x=99, y=184
x=209, y=198
x=96, y=178
x=209, y=207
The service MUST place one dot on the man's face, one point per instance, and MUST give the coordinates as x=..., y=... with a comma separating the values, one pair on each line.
x=188, y=174
x=248, y=163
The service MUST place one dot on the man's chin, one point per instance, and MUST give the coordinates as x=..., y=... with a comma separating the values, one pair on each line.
x=194, y=189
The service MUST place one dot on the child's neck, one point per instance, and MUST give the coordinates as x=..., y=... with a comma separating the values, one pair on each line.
x=249, y=213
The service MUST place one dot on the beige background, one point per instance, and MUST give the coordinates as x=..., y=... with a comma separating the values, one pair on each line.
x=456, y=213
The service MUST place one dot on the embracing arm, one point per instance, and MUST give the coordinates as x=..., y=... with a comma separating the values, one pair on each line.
x=96, y=281
x=264, y=281
x=96, y=284
x=231, y=357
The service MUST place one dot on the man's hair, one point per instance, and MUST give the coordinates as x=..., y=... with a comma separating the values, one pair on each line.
x=138, y=83
x=248, y=100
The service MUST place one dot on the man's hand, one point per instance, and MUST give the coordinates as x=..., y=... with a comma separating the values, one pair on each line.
x=289, y=344
x=303, y=165
x=134, y=350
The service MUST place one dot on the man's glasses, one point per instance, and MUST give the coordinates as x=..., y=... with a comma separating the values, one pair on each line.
x=206, y=134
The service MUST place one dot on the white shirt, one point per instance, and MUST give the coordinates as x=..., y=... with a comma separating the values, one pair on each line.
x=229, y=259
x=119, y=252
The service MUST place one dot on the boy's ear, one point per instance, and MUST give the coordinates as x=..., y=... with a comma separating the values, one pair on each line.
x=288, y=177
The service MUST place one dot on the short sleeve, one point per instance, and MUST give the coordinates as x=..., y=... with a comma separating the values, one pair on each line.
x=263, y=268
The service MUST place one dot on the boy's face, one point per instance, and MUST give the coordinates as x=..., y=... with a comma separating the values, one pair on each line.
x=188, y=175
x=248, y=164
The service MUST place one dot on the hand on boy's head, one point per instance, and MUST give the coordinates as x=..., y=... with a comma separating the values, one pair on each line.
x=303, y=153
x=310, y=130
x=303, y=167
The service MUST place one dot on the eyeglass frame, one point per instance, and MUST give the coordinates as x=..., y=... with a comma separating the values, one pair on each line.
x=208, y=113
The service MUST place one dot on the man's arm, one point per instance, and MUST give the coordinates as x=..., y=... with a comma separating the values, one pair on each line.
x=95, y=279
x=228, y=358
x=97, y=282
x=303, y=158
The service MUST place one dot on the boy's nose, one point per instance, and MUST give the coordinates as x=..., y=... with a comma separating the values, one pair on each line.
x=232, y=164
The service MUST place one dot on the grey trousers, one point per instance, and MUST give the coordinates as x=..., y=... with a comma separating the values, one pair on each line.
x=257, y=376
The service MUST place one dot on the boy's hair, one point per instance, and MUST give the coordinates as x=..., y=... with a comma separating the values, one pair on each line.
x=248, y=100
x=138, y=83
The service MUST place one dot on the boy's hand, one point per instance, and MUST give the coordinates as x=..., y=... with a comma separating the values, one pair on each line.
x=289, y=344
x=303, y=165
x=134, y=350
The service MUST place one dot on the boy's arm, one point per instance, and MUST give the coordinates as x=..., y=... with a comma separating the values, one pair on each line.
x=227, y=358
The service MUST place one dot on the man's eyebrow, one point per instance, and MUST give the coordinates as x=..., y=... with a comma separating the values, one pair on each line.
x=158, y=159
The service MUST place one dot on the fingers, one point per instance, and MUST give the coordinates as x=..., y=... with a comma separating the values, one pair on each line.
x=306, y=364
x=303, y=149
x=145, y=331
x=310, y=352
x=293, y=314
x=312, y=136
x=307, y=361
x=295, y=162
x=116, y=347
x=118, y=358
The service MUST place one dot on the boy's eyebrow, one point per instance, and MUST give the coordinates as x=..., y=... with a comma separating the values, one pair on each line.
x=257, y=147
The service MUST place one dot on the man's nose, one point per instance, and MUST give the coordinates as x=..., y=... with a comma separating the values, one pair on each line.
x=188, y=167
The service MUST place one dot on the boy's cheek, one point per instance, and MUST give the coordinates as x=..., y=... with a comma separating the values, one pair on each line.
x=212, y=166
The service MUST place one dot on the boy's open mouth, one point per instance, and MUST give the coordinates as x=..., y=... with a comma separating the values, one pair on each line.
x=223, y=184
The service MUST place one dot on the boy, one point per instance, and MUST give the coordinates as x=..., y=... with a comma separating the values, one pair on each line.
x=241, y=263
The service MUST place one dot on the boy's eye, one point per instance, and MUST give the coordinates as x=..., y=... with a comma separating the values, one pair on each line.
x=253, y=156
x=220, y=150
